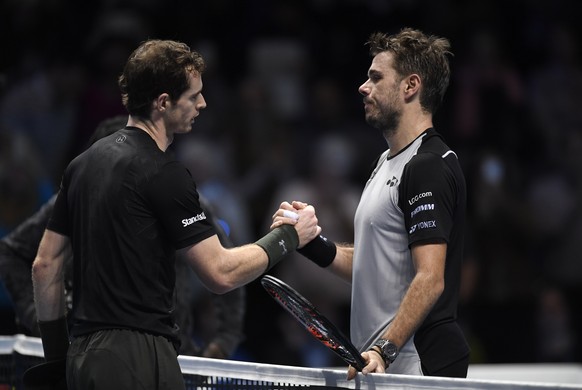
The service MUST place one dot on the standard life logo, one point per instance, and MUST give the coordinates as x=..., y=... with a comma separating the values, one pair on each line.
x=196, y=218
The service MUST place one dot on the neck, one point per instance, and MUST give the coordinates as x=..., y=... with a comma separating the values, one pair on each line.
x=406, y=132
x=155, y=130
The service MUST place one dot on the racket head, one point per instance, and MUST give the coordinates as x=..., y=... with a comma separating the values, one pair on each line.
x=313, y=321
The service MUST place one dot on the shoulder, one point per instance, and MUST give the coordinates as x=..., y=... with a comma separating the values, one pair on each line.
x=434, y=143
x=434, y=151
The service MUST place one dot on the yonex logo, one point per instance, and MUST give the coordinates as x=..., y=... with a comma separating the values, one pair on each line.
x=196, y=218
x=392, y=182
x=422, y=225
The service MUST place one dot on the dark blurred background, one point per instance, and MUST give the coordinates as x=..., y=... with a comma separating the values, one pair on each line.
x=284, y=121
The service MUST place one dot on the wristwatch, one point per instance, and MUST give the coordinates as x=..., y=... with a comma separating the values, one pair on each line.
x=388, y=350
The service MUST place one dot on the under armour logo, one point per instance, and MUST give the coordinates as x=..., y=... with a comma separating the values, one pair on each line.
x=282, y=245
x=392, y=182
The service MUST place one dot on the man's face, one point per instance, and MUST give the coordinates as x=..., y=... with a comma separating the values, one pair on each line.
x=183, y=112
x=382, y=104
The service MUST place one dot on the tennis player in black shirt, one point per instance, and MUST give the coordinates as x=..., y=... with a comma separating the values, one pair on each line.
x=124, y=208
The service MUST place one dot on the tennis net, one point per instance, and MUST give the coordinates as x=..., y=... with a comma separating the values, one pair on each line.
x=18, y=353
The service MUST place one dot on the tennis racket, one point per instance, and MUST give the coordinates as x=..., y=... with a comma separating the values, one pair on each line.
x=316, y=323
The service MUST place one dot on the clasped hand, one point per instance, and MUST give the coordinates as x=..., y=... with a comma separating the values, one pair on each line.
x=301, y=216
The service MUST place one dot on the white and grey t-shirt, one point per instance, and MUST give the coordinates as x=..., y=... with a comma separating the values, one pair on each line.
x=416, y=196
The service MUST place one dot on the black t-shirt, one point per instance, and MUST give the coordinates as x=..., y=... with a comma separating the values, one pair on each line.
x=127, y=206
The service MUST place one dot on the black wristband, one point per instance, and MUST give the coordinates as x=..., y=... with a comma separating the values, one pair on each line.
x=55, y=338
x=319, y=250
x=278, y=243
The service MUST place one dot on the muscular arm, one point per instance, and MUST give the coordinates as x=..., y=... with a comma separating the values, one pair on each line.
x=48, y=276
x=224, y=269
x=425, y=289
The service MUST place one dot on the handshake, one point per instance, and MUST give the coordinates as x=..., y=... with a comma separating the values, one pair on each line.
x=301, y=216
x=312, y=244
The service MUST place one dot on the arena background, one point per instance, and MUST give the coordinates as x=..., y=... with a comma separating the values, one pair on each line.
x=284, y=119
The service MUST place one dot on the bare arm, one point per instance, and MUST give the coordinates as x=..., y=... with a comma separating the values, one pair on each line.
x=425, y=289
x=224, y=269
x=48, y=276
x=342, y=264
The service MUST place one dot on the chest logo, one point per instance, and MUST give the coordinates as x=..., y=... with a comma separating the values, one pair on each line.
x=392, y=182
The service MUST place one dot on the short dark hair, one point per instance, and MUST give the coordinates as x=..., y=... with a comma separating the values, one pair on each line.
x=425, y=55
x=156, y=67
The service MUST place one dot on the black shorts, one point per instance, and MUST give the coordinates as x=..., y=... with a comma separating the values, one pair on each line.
x=123, y=359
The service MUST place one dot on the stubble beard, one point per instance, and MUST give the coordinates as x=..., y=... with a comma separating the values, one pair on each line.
x=386, y=121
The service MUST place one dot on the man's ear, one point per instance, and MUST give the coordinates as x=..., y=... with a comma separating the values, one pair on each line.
x=411, y=86
x=162, y=101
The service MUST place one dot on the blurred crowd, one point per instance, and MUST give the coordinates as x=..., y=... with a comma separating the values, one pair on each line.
x=284, y=121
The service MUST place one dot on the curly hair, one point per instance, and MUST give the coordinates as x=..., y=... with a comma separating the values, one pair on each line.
x=156, y=67
x=425, y=55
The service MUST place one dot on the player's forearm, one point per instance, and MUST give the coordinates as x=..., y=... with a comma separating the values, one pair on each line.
x=342, y=264
x=48, y=276
x=423, y=293
x=49, y=291
x=237, y=267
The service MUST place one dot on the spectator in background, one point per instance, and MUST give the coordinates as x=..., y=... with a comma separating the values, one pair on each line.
x=555, y=187
x=556, y=339
x=489, y=99
x=24, y=184
x=115, y=34
x=42, y=108
x=554, y=91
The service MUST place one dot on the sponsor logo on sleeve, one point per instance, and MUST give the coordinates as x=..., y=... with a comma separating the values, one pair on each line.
x=196, y=218
x=422, y=207
x=422, y=225
x=416, y=198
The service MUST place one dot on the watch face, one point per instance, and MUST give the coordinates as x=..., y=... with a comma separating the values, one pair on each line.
x=389, y=349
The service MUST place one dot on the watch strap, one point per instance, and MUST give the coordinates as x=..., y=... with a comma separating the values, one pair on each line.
x=381, y=345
